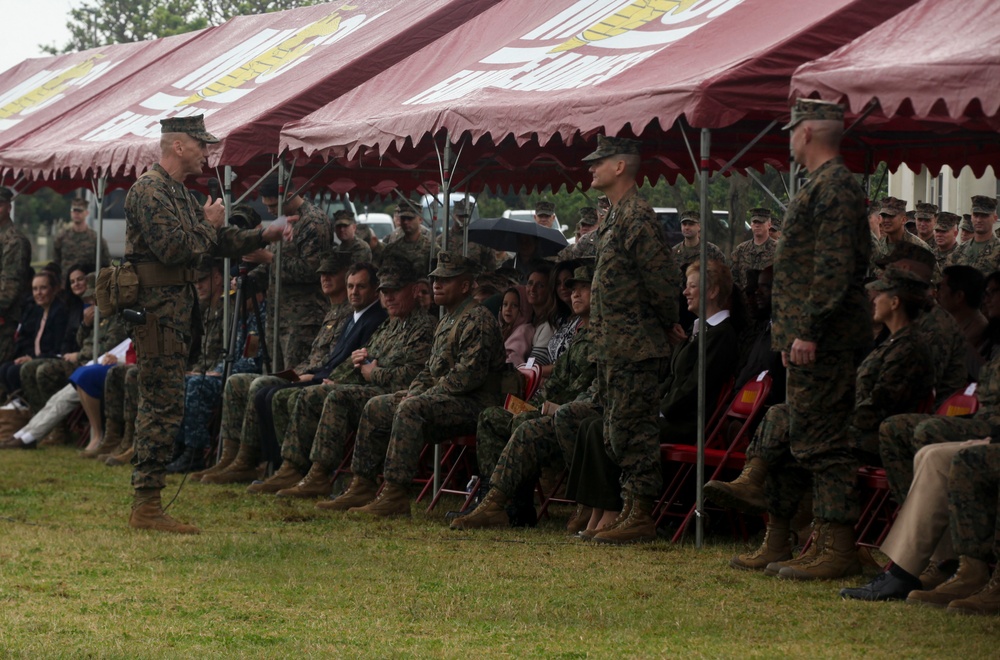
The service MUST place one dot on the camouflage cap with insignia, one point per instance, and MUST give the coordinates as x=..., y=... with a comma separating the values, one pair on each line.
x=78, y=203
x=407, y=207
x=603, y=202
x=984, y=205
x=613, y=146
x=460, y=209
x=588, y=216
x=193, y=126
x=453, y=265
x=693, y=215
x=582, y=274
x=776, y=221
x=334, y=263
x=814, y=110
x=6, y=194
x=926, y=211
x=545, y=207
x=946, y=220
x=343, y=217
x=760, y=214
x=966, y=224
x=892, y=206
x=911, y=257
x=396, y=273
x=902, y=281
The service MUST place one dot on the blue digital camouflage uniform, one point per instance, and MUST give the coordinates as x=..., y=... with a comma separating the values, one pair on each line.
x=819, y=270
x=630, y=319
x=165, y=225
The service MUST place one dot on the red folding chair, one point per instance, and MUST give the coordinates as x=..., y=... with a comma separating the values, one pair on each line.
x=458, y=463
x=878, y=507
x=720, y=453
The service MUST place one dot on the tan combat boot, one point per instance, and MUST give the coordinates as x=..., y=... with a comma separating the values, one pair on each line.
x=578, y=521
x=318, y=482
x=837, y=556
x=147, y=513
x=243, y=470
x=777, y=547
x=392, y=501
x=745, y=493
x=491, y=512
x=984, y=601
x=937, y=573
x=229, y=450
x=637, y=526
x=971, y=576
x=287, y=475
x=124, y=444
x=360, y=492
x=123, y=458
x=775, y=567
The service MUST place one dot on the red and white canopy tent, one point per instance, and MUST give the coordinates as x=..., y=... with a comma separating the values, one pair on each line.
x=523, y=88
x=926, y=81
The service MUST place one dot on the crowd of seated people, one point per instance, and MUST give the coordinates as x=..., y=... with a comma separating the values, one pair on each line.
x=402, y=359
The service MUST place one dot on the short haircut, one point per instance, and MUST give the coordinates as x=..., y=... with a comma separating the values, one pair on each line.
x=368, y=268
x=969, y=281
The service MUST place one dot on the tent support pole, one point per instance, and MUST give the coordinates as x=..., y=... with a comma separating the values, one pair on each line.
x=100, y=187
x=227, y=201
x=872, y=105
x=767, y=190
x=687, y=143
x=445, y=194
x=746, y=148
x=706, y=214
x=276, y=273
x=255, y=185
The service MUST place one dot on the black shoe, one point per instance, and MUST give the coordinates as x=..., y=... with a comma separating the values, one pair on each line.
x=484, y=487
x=885, y=586
x=191, y=460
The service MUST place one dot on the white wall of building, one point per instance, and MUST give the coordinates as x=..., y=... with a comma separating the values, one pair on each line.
x=950, y=192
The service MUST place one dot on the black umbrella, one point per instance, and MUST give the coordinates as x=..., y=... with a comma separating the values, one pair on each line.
x=502, y=234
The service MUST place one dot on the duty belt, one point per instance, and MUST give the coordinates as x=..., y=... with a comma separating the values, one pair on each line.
x=153, y=274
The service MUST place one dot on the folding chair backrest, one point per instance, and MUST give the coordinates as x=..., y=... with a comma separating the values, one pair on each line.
x=960, y=403
x=744, y=407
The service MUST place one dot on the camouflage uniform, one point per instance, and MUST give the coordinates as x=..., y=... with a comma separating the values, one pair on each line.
x=986, y=260
x=79, y=247
x=974, y=501
x=481, y=254
x=418, y=253
x=750, y=256
x=943, y=258
x=948, y=351
x=882, y=248
x=571, y=376
x=15, y=284
x=444, y=399
x=684, y=256
x=316, y=421
x=165, y=225
x=570, y=417
x=631, y=311
x=302, y=301
x=819, y=270
x=895, y=377
x=40, y=379
x=239, y=415
x=359, y=251
x=901, y=436
x=120, y=395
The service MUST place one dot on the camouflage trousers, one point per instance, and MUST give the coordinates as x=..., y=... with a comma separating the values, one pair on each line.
x=974, y=501
x=492, y=433
x=159, y=417
x=7, y=331
x=121, y=402
x=40, y=379
x=202, y=395
x=788, y=481
x=567, y=422
x=239, y=416
x=630, y=393
x=531, y=446
x=295, y=344
x=320, y=419
x=395, y=430
x=820, y=404
x=901, y=436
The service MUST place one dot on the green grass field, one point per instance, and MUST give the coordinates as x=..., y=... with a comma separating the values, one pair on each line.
x=268, y=578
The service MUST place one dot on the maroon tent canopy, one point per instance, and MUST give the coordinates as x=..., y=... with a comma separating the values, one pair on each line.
x=933, y=70
x=249, y=77
x=40, y=91
x=548, y=75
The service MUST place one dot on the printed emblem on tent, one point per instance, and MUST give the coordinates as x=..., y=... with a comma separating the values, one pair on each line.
x=47, y=86
x=586, y=44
